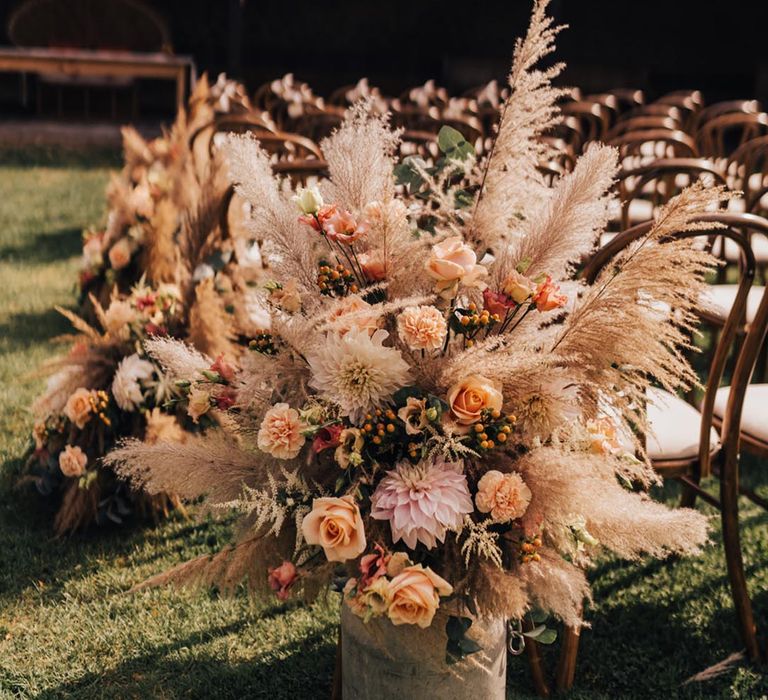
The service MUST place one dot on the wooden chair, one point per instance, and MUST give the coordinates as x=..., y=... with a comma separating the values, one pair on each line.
x=689, y=102
x=721, y=136
x=593, y=118
x=720, y=108
x=741, y=410
x=644, y=188
x=683, y=440
x=651, y=144
x=656, y=109
x=641, y=123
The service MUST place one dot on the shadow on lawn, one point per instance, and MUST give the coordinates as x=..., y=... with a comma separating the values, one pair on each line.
x=26, y=329
x=298, y=669
x=44, y=248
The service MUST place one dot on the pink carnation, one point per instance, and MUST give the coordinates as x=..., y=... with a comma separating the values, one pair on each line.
x=422, y=502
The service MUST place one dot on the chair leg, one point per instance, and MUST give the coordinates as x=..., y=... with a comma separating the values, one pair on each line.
x=566, y=666
x=688, y=495
x=537, y=668
x=729, y=493
x=336, y=687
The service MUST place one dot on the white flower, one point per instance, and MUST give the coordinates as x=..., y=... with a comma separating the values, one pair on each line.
x=357, y=372
x=203, y=272
x=126, y=385
x=308, y=199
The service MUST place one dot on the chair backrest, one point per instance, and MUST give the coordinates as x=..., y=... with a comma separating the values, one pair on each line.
x=657, y=143
x=720, y=108
x=748, y=166
x=737, y=226
x=106, y=25
x=721, y=136
x=641, y=123
x=594, y=119
x=660, y=180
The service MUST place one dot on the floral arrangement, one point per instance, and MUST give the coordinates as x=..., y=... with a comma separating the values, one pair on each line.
x=104, y=389
x=148, y=200
x=440, y=413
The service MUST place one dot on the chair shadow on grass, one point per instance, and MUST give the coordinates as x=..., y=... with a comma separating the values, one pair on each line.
x=29, y=329
x=300, y=668
x=45, y=248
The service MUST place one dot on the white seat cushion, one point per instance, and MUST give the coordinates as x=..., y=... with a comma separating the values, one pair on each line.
x=718, y=300
x=754, y=416
x=674, y=427
x=732, y=252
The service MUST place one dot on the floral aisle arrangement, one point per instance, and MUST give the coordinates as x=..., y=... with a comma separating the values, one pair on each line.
x=104, y=389
x=148, y=199
x=440, y=413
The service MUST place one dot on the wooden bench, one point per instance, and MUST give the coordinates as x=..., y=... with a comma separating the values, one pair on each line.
x=79, y=63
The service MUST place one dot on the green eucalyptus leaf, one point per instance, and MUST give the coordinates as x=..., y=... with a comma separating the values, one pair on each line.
x=538, y=616
x=548, y=636
x=453, y=144
x=469, y=646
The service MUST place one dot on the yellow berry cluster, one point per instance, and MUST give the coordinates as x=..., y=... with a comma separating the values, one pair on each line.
x=528, y=549
x=493, y=431
x=99, y=401
x=471, y=321
x=379, y=425
x=264, y=343
x=336, y=281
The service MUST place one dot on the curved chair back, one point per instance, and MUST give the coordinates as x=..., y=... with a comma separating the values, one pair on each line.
x=736, y=226
x=660, y=180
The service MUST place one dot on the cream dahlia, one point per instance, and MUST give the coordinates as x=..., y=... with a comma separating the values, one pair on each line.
x=126, y=385
x=357, y=371
x=422, y=502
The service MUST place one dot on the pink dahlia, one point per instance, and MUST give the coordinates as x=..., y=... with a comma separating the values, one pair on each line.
x=422, y=502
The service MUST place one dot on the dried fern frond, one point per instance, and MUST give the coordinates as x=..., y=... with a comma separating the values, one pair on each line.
x=211, y=465
x=360, y=156
x=161, y=252
x=211, y=327
x=178, y=359
x=512, y=186
x=568, y=226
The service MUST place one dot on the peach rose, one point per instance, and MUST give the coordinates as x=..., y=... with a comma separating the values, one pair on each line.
x=422, y=327
x=471, y=396
x=352, y=312
x=547, y=298
x=374, y=265
x=518, y=287
x=287, y=297
x=504, y=496
x=452, y=263
x=120, y=254
x=199, y=403
x=78, y=407
x=335, y=524
x=280, y=432
x=414, y=415
x=72, y=461
x=415, y=596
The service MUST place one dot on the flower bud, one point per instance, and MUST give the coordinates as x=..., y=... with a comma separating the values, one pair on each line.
x=308, y=200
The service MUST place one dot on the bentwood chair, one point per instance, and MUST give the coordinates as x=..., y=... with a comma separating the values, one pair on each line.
x=645, y=188
x=683, y=441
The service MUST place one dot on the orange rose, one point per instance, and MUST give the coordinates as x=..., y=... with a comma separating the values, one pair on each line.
x=471, y=396
x=415, y=596
x=547, y=298
x=78, y=407
x=335, y=524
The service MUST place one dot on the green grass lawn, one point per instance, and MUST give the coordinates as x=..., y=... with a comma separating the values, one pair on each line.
x=68, y=629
